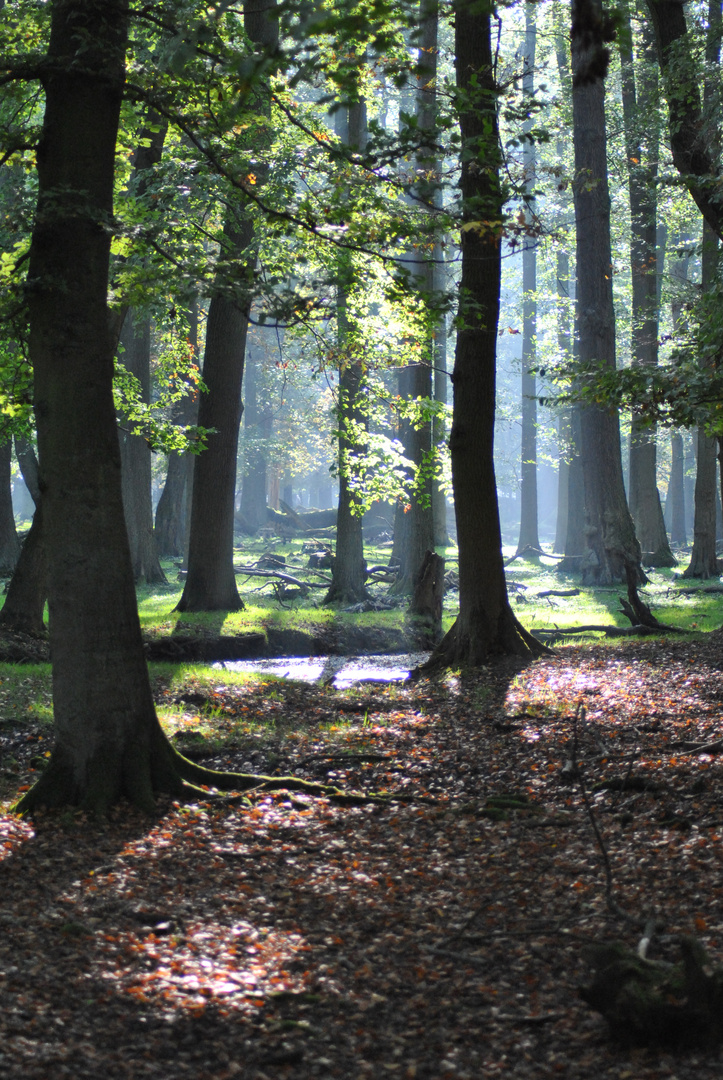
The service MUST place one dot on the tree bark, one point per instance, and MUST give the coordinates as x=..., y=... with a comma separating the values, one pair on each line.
x=414, y=523
x=675, y=501
x=703, y=562
x=258, y=424
x=693, y=137
x=136, y=457
x=638, y=106
x=610, y=532
x=174, y=506
x=211, y=581
x=486, y=624
x=108, y=740
x=9, y=542
x=28, y=463
x=349, y=573
x=24, y=606
x=570, y=532
x=529, y=534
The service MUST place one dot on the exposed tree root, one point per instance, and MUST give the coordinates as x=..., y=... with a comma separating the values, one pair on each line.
x=244, y=782
x=166, y=771
x=466, y=648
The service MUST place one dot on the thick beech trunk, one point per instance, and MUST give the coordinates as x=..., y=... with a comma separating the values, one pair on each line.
x=108, y=740
x=109, y=743
x=136, y=457
x=486, y=624
x=610, y=533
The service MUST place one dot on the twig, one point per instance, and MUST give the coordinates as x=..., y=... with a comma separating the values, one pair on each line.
x=612, y=904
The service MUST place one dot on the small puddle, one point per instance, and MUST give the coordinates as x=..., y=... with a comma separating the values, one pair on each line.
x=337, y=671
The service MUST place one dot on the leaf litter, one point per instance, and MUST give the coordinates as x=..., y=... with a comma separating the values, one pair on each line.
x=436, y=937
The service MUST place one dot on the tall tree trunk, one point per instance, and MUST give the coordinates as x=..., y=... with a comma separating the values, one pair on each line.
x=486, y=624
x=258, y=427
x=529, y=535
x=675, y=501
x=211, y=581
x=441, y=396
x=108, y=740
x=349, y=573
x=703, y=562
x=136, y=457
x=570, y=532
x=9, y=542
x=414, y=523
x=174, y=506
x=611, y=541
x=639, y=105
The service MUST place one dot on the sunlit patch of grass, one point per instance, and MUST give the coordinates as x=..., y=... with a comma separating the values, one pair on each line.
x=25, y=693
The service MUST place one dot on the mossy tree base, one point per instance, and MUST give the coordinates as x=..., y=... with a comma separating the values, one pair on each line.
x=139, y=778
x=654, y=1004
x=472, y=642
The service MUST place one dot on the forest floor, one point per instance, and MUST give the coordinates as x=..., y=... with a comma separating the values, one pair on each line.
x=439, y=936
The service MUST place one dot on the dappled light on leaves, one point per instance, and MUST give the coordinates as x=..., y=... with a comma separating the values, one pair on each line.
x=438, y=936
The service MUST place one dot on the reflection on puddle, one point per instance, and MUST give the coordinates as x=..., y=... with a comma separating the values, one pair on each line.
x=338, y=671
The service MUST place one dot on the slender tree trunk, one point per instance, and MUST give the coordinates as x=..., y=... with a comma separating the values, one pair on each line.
x=703, y=562
x=211, y=581
x=136, y=458
x=24, y=605
x=174, y=506
x=675, y=501
x=639, y=110
x=349, y=573
x=28, y=462
x=258, y=427
x=9, y=542
x=611, y=541
x=414, y=524
x=27, y=593
x=485, y=625
x=570, y=534
x=529, y=535
x=441, y=395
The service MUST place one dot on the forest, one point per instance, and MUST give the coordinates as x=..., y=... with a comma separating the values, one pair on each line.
x=374, y=333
